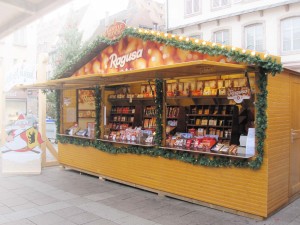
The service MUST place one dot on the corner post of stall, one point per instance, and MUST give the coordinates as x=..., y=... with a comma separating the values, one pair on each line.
x=41, y=77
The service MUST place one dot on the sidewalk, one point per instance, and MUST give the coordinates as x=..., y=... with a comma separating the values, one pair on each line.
x=66, y=197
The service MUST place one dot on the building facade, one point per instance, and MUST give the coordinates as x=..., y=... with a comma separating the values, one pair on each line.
x=147, y=14
x=272, y=27
x=18, y=65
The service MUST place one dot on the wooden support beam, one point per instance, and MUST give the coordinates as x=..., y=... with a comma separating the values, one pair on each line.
x=51, y=149
x=41, y=77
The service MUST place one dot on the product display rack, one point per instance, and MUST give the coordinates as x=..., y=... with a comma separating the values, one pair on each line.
x=175, y=118
x=149, y=117
x=221, y=120
x=121, y=117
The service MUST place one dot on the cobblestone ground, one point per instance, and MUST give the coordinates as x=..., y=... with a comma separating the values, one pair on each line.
x=66, y=197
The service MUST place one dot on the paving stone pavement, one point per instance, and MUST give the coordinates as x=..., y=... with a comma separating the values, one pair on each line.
x=66, y=197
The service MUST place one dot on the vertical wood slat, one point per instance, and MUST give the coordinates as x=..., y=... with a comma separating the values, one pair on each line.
x=278, y=140
x=234, y=188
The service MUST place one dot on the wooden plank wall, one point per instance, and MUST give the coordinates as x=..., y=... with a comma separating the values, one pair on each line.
x=244, y=190
x=278, y=140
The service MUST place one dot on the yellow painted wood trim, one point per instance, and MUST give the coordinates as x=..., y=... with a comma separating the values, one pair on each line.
x=239, y=189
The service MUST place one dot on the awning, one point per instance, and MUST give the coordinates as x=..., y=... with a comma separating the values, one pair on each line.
x=199, y=68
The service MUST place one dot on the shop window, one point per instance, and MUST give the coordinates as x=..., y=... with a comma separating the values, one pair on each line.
x=254, y=37
x=290, y=34
x=20, y=37
x=192, y=7
x=221, y=37
x=215, y=4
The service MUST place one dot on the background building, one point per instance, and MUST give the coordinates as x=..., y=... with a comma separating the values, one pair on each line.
x=265, y=26
x=147, y=14
x=17, y=64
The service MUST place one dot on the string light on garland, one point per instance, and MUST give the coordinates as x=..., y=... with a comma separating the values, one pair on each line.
x=253, y=53
x=187, y=39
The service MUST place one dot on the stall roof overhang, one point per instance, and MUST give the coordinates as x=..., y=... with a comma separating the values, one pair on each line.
x=17, y=13
x=199, y=68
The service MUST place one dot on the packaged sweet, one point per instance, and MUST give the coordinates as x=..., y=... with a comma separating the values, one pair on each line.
x=232, y=149
x=217, y=147
x=224, y=149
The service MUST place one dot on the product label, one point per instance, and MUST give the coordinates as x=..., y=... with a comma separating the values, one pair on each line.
x=238, y=94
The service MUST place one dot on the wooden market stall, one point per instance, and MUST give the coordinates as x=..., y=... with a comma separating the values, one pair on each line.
x=176, y=89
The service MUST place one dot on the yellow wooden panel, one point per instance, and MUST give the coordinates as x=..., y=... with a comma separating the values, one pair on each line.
x=69, y=95
x=235, y=188
x=278, y=140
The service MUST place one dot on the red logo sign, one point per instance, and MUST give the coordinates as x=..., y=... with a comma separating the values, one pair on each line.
x=115, y=30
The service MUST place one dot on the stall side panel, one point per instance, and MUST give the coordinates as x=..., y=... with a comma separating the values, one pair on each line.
x=241, y=190
x=278, y=140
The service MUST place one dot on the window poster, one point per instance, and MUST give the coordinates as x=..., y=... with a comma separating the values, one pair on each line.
x=86, y=99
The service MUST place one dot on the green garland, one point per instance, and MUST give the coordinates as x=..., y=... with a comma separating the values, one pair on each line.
x=98, y=111
x=267, y=65
x=159, y=109
x=58, y=111
x=261, y=118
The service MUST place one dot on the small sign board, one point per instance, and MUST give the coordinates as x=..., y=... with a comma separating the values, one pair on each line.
x=115, y=30
x=238, y=94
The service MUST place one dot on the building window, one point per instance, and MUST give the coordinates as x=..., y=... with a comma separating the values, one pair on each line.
x=254, y=37
x=199, y=36
x=20, y=37
x=145, y=27
x=215, y=4
x=221, y=37
x=290, y=34
x=192, y=7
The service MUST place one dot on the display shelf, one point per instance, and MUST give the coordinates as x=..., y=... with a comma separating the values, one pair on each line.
x=197, y=97
x=128, y=143
x=130, y=99
x=215, y=119
x=125, y=114
x=212, y=115
x=239, y=155
x=213, y=126
x=122, y=115
x=76, y=136
x=111, y=121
